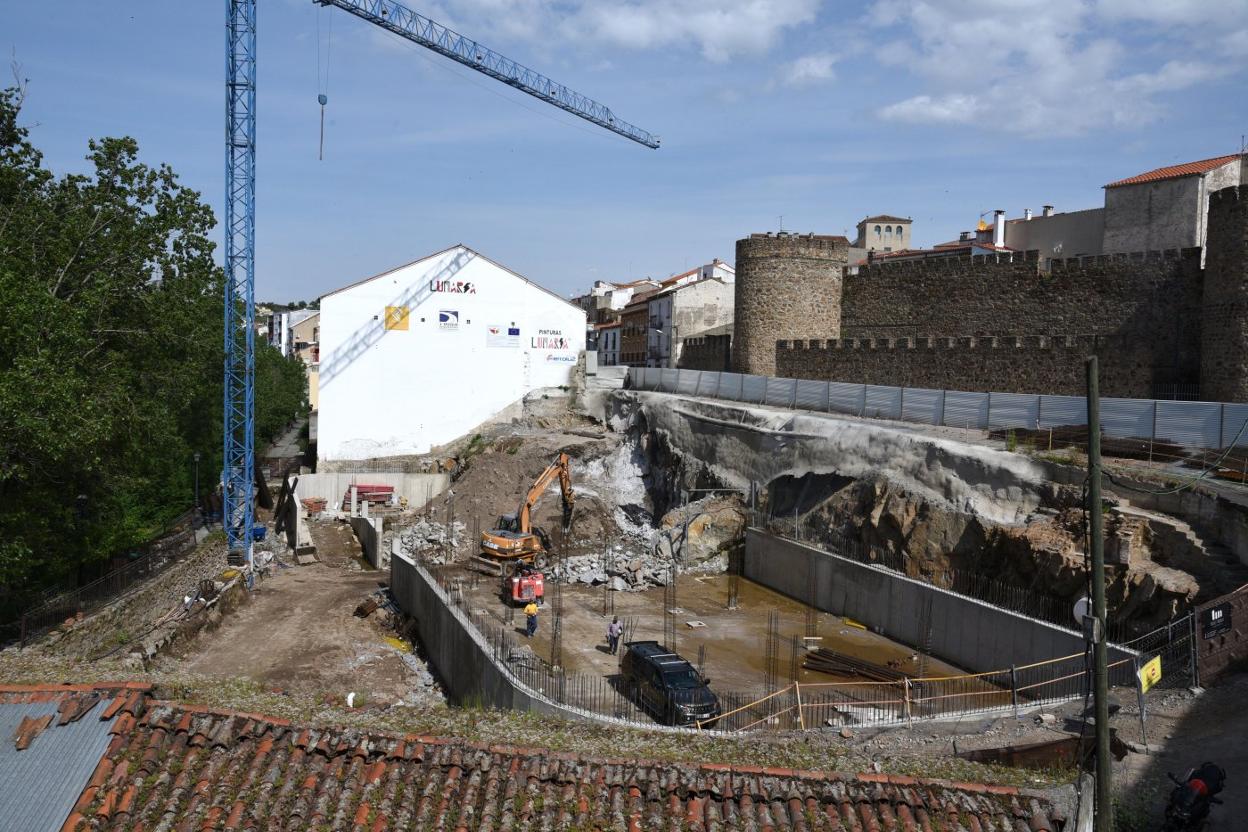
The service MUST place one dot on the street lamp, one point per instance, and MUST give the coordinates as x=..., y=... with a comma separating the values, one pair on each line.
x=197, y=481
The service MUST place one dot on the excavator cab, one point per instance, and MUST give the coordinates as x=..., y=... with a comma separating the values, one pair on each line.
x=515, y=539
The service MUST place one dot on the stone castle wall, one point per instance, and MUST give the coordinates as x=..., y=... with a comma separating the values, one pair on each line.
x=787, y=286
x=1147, y=304
x=1224, y=335
x=707, y=352
x=993, y=364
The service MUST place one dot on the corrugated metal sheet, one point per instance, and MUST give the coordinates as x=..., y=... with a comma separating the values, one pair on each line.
x=708, y=383
x=845, y=398
x=883, y=402
x=966, y=409
x=39, y=786
x=730, y=386
x=687, y=381
x=753, y=389
x=923, y=406
x=1193, y=424
x=1013, y=410
x=668, y=380
x=780, y=392
x=1063, y=411
x=1125, y=418
x=812, y=395
x=1235, y=425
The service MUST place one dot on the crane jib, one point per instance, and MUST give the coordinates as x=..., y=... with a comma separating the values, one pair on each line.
x=447, y=42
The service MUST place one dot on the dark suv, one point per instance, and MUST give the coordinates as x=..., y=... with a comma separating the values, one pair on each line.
x=666, y=685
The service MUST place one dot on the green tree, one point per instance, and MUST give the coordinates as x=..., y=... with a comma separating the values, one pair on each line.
x=110, y=356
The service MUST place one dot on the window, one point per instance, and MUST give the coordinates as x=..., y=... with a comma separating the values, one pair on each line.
x=877, y=231
x=888, y=230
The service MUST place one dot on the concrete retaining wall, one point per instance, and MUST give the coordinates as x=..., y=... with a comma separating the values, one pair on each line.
x=368, y=532
x=968, y=633
x=417, y=488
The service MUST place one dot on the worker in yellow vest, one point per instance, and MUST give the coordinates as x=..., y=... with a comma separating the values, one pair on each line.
x=530, y=619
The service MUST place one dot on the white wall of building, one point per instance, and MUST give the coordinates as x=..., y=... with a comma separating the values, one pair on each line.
x=478, y=338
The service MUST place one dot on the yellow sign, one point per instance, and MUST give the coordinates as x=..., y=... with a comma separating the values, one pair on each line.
x=1150, y=674
x=396, y=317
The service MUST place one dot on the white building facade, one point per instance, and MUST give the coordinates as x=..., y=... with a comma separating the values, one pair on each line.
x=422, y=354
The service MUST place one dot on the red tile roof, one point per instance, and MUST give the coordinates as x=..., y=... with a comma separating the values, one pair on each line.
x=176, y=767
x=885, y=218
x=1177, y=171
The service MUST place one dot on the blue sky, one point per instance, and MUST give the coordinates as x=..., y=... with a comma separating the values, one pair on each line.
x=820, y=112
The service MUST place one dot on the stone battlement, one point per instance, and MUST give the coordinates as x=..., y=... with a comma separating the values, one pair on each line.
x=930, y=342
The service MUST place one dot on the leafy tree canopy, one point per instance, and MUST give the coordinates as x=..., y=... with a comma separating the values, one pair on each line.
x=110, y=357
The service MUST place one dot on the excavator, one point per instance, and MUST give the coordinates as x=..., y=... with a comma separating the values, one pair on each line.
x=515, y=549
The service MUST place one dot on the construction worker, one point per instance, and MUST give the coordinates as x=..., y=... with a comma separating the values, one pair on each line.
x=530, y=619
x=614, y=630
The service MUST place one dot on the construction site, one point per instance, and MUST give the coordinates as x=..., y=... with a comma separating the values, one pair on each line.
x=835, y=536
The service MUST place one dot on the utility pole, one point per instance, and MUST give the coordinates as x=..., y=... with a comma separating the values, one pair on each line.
x=1104, y=764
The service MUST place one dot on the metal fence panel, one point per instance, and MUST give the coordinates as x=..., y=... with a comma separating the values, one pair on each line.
x=812, y=395
x=1062, y=411
x=780, y=391
x=687, y=381
x=730, y=385
x=652, y=377
x=708, y=384
x=753, y=389
x=1013, y=410
x=1234, y=426
x=668, y=379
x=883, y=402
x=966, y=410
x=845, y=398
x=1191, y=424
x=1125, y=418
x=923, y=406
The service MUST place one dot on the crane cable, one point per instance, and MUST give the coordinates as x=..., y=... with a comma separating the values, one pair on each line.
x=322, y=79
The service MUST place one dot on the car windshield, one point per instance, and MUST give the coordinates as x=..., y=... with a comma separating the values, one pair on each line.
x=682, y=679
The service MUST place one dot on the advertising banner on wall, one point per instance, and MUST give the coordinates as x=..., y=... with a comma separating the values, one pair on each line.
x=502, y=336
x=448, y=319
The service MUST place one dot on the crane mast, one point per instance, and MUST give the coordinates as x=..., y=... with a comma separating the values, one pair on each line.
x=238, y=468
x=238, y=471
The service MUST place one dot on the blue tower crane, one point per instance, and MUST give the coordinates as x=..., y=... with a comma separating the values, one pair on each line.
x=238, y=471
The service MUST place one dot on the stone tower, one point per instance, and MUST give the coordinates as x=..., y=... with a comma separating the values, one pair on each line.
x=1224, y=324
x=788, y=287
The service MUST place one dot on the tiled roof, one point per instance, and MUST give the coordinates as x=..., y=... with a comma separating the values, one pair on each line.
x=174, y=767
x=51, y=739
x=1177, y=171
x=885, y=218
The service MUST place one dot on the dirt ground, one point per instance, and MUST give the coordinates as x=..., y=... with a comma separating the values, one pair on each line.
x=734, y=640
x=298, y=630
x=1185, y=731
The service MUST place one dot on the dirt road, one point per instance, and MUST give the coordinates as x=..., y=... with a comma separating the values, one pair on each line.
x=298, y=630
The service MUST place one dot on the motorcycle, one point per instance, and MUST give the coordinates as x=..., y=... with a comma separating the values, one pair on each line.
x=1192, y=797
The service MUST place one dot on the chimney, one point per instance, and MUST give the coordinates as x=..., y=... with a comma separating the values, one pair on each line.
x=998, y=227
x=1026, y=214
x=964, y=236
x=1047, y=212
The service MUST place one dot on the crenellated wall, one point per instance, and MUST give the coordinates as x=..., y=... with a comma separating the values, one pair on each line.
x=707, y=352
x=998, y=364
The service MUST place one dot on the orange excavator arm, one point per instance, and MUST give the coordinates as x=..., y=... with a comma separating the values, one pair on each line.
x=561, y=468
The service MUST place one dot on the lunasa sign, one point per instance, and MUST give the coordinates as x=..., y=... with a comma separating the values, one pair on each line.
x=549, y=339
x=454, y=287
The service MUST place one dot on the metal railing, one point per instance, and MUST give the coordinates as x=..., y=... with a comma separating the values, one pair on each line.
x=85, y=599
x=1157, y=431
x=812, y=705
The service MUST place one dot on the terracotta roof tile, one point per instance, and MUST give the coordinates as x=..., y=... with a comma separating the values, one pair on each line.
x=1177, y=171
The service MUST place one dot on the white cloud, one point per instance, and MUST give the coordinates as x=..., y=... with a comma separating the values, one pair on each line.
x=1041, y=66
x=716, y=29
x=810, y=69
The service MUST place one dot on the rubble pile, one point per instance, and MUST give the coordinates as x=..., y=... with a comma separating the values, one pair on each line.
x=429, y=540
